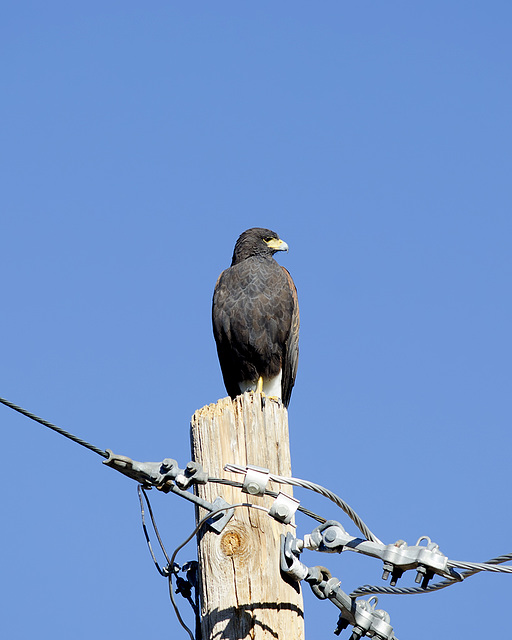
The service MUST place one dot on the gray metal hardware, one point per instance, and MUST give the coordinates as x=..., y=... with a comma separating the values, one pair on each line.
x=220, y=520
x=167, y=476
x=362, y=615
x=283, y=508
x=256, y=480
x=290, y=564
x=399, y=557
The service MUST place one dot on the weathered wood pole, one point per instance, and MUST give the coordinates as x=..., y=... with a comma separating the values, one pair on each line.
x=242, y=592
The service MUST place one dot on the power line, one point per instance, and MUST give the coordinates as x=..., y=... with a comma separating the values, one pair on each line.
x=476, y=568
x=62, y=432
x=312, y=486
x=157, y=474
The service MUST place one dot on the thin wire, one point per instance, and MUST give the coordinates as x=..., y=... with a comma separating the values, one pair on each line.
x=366, y=589
x=177, y=611
x=163, y=572
x=194, y=532
x=45, y=423
x=312, y=486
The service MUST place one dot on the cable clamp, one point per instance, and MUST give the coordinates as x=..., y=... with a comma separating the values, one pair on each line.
x=283, y=508
x=397, y=558
x=256, y=480
x=148, y=474
x=158, y=474
x=192, y=474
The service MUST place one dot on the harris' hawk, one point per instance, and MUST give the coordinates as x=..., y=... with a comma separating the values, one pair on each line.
x=256, y=319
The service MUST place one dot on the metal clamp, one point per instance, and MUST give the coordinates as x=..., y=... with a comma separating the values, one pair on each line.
x=167, y=476
x=283, y=508
x=256, y=480
x=399, y=557
x=157, y=474
x=192, y=474
x=361, y=614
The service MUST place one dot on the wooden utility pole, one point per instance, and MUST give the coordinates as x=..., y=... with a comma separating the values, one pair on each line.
x=242, y=592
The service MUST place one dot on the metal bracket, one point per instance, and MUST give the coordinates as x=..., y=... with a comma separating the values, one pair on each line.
x=290, y=563
x=220, y=520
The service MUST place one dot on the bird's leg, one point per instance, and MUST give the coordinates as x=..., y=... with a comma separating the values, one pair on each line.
x=259, y=389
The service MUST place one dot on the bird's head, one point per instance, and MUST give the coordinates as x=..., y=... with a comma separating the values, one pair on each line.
x=257, y=242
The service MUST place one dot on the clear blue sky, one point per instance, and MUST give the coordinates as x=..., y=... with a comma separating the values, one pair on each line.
x=138, y=140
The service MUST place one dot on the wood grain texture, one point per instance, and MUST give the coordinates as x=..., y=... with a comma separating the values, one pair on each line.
x=242, y=592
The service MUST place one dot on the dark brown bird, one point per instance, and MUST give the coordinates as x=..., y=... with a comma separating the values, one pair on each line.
x=256, y=319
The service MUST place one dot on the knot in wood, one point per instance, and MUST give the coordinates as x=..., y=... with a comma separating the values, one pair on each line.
x=232, y=543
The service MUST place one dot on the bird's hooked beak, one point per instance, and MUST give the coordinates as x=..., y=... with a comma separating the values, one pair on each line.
x=277, y=245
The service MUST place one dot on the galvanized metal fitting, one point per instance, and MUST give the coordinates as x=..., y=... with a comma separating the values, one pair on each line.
x=283, y=508
x=256, y=480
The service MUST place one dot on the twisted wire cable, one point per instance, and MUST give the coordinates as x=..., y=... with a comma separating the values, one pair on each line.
x=312, y=486
x=62, y=432
x=479, y=566
x=374, y=589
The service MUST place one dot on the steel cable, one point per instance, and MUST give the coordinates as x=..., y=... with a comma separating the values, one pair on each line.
x=312, y=486
x=62, y=432
x=374, y=589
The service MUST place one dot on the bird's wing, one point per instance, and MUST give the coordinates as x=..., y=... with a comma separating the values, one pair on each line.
x=291, y=350
x=222, y=332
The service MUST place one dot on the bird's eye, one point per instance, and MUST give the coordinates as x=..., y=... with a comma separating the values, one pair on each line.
x=268, y=239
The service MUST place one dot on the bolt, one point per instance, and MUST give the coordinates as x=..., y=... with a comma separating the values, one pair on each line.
x=424, y=576
x=167, y=464
x=282, y=512
x=388, y=567
x=357, y=633
x=330, y=534
x=421, y=574
x=253, y=488
x=342, y=624
x=395, y=576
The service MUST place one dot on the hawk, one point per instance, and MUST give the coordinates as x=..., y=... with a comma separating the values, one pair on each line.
x=256, y=319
